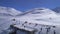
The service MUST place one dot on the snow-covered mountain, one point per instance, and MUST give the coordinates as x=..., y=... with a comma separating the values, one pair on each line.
x=37, y=15
x=40, y=14
x=9, y=11
x=6, y=15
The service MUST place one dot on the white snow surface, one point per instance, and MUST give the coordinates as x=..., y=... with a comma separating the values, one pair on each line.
x=38, y=15
x=45, y=16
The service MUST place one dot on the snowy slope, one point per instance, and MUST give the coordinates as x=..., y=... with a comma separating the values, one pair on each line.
x=41, y=14
x=38, y=15
x=8, y=10
x=6, y=15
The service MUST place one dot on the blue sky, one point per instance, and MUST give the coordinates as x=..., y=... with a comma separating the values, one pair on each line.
x=24, y=5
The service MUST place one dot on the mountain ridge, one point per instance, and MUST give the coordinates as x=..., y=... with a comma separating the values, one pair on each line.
x=9, y=10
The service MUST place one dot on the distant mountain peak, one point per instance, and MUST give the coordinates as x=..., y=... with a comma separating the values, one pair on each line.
x=9, y=10
x=57, y=9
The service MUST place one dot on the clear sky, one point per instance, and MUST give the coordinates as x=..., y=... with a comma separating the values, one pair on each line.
x=29, y=4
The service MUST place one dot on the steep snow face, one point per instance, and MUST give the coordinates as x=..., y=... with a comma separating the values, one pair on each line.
x=9, y=11
x=41, y=16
